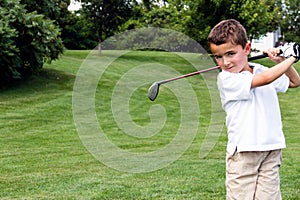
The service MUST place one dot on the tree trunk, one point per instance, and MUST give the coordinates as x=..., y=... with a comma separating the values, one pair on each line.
x=100, y=32
x=99, y=47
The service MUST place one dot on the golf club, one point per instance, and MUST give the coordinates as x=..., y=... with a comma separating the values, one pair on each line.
x=154, y=88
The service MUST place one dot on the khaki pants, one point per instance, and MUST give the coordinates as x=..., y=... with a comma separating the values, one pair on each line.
x=253, y=175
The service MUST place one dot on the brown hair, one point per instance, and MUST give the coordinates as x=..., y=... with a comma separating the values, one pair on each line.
x=228, y=31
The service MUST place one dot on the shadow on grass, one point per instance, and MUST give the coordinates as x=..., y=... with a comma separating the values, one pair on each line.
x=46, y=80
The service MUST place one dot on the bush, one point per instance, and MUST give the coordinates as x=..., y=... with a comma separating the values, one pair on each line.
x=27, y=40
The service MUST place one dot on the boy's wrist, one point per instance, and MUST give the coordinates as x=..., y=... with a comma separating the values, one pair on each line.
x=293, y=58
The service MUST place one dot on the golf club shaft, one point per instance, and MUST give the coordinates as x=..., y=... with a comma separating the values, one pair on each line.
x=187, y=75
x=205, y=70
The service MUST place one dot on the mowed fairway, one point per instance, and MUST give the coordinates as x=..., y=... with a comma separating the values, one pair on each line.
x=42, y=156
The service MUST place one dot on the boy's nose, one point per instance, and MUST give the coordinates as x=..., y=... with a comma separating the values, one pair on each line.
x=226, y=61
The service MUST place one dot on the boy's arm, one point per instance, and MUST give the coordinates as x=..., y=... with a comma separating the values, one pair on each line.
x=293, y=76
x=275, y=72
x=291, y=72
x=284, y=66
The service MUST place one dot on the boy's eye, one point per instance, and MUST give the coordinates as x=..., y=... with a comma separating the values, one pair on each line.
x=218, y=57
x=230, y=53
x=227, y=55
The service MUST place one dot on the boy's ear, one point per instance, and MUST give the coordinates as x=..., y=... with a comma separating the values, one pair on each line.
x=248, y=48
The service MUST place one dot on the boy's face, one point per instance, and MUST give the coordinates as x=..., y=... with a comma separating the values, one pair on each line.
x=230, y=57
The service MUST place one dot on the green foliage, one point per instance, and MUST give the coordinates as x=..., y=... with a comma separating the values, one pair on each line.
x=28, y=40
x=107, y=15
x=171, y=15
x=290, y=24
x=100, y=19
x=9, y=61
x=152, y=39
x=77, y=33
x=73, y=28
x=53, y=9
x=258, y=17
x=196, y=18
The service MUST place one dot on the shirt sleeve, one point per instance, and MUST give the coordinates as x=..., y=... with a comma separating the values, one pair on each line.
x=234, y=86
x=282, y=83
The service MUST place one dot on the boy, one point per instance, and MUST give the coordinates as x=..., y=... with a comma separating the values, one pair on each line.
x=249, y=97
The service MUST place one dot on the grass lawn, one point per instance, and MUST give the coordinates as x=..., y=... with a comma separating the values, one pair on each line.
x=43, y=157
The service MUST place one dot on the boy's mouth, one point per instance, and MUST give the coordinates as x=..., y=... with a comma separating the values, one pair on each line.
x=229, y=67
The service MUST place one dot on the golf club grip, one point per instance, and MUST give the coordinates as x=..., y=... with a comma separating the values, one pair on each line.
x=258, y=57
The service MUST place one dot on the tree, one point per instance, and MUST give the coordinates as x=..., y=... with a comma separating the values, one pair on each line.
x=56, y=10
x=258, y=17
x=107, y=15
x=195, y=18
x=27, y=40
x=290, y=25
x=77, y=33
x=71, y=26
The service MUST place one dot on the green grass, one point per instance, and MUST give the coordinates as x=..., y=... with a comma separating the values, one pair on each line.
x=42, y=156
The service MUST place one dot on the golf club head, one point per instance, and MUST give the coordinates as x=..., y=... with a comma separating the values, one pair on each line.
x=153, y=91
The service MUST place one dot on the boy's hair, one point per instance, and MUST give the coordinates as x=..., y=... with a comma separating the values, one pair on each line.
x=228, y=31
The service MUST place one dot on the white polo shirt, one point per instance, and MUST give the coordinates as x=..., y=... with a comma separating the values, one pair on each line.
x=253, y=116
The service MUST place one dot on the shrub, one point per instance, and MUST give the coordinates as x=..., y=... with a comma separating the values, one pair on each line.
x=27, y=40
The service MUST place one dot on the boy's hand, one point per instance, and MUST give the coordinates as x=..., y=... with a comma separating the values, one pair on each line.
x=275, y=54
x=290, y=49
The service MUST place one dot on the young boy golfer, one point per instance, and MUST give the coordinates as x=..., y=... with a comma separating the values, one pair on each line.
x=249, y=97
